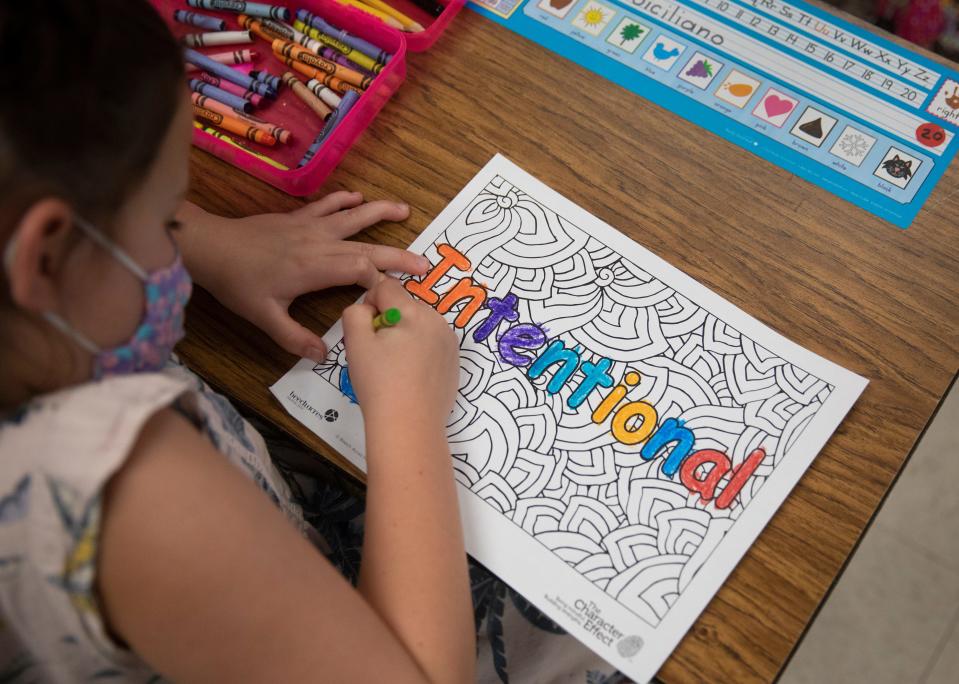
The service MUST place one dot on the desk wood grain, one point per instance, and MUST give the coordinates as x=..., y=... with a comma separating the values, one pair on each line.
x=878, y=300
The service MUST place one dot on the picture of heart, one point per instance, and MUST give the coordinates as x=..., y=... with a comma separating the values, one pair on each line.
x=776, y=106
x=559, y=4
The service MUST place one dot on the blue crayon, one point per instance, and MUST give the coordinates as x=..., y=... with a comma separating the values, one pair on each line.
x=266, y=77
x=346, y=104
x=364, y=46
x=227, y=73
x=199, y=20
x=253, y=9
x=220, y=95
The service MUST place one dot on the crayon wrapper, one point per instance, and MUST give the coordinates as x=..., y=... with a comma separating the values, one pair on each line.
x=299, y=53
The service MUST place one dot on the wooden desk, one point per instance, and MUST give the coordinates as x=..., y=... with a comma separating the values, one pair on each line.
x=871, y=297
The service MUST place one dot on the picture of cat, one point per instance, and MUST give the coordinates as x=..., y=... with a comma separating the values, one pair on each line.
x=898, y=168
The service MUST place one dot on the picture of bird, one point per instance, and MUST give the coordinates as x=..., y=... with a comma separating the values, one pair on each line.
x=662, y=54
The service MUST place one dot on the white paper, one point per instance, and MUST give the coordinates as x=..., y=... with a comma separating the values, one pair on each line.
x=584, y=526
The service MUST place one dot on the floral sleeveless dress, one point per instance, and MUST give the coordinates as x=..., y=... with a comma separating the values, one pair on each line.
x=57, y=454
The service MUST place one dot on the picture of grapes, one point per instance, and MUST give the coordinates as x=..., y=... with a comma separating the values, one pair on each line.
x=630, y=32
x=701, y=69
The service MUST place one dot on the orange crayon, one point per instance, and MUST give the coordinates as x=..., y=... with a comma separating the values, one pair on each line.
x=301, y=54
x=234, y=125
x=281, y=134
x=326, y=79
x=319, y=107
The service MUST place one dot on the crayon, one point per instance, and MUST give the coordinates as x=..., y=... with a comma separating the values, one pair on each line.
x=323, y=92
x=266, y=77
x=229, y=73
x=199, y=20
x=195, y=40
x=372, y=11
x=244, y=56
x=361, y=59
x=334, y=55
x=274, y=30
x=253, y=98
x=408, y=23
x=349, y=99
x=219, y=135
x=430, y=6
x=387, y=319
x=321, y=76
x=342, y=37
x=254, y=9
x=281, y=134
x=301, y=54
x=266, y=29
x=319, y=107
x=212, y=91
x=234, y=125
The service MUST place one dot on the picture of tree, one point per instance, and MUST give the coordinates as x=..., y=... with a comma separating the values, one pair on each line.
x=630, y=32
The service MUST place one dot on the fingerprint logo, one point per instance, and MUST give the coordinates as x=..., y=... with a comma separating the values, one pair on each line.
x=629, y=646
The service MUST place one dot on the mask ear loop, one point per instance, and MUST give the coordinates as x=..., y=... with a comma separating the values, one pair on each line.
x=53, y=318
x=114, y=249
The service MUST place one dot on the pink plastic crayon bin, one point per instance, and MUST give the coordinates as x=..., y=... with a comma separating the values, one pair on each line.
x=289, y=112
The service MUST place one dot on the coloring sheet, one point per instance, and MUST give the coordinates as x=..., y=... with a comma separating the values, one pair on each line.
x=621, y=434
x=871, y=121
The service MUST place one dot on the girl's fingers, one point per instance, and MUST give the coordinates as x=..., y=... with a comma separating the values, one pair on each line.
x=332, y=203
x=390, y=258
x=351, y=221
x=389, y=293
x=357, y=323
x=347, y=269
x=292, y=336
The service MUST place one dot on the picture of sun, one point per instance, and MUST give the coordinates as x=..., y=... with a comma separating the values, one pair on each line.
x=593, y=17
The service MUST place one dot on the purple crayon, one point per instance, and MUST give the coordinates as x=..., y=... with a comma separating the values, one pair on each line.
x=220, y=95
x=228, y=73
x=254, y=99
x=346, y=104
x=199, y=20
x=267, y=78
x=335, y=55
x=253, y=9
x=366, y=47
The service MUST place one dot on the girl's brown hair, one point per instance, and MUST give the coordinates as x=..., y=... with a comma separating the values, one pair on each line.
x=89, y=88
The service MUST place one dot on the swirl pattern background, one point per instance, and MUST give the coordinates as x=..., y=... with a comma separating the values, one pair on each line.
x=615, y=518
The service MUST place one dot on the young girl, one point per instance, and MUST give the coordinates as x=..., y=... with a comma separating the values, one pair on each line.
x=144, y=532
x=128, y=545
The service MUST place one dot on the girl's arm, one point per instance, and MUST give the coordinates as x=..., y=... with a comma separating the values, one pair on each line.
x=414, y=571
x=207, y=581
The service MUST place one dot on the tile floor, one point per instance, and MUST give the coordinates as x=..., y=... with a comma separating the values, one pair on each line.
x=894, y=615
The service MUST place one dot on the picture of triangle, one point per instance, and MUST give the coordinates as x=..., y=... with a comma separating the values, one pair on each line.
x=812, y=128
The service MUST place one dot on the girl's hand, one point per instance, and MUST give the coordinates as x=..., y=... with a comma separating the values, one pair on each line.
x=408, y=371
x=257, y=266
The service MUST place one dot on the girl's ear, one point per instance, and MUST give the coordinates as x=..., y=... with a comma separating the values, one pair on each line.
x=35, y=253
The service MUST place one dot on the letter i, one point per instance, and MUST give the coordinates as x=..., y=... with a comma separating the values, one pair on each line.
x=614, y=397
x=424, y=288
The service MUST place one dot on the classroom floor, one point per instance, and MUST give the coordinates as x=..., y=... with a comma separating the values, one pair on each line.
x=894, y=615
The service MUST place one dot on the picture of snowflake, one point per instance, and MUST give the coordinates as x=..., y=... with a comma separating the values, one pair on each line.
x=854, y=145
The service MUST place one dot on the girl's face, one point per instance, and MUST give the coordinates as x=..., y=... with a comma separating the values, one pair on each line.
x=79, y=279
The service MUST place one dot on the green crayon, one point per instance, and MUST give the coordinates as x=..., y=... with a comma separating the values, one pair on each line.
x=387, y=319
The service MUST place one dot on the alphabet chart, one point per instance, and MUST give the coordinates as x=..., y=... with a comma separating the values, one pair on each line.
x=843, y=108
x=621, y=434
